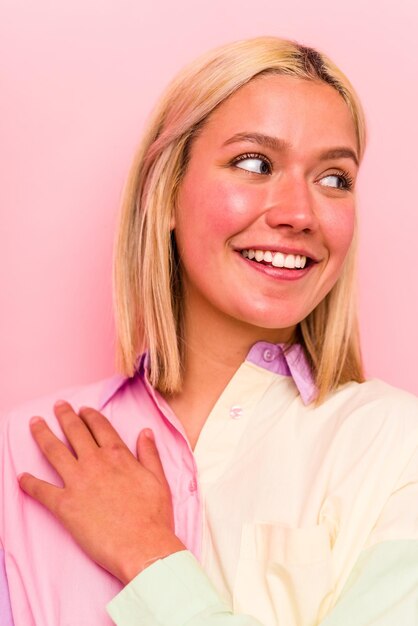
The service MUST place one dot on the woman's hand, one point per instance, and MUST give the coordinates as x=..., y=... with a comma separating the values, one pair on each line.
x=116, y=507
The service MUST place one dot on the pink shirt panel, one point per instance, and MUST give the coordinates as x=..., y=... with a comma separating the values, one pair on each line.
x=41, y=558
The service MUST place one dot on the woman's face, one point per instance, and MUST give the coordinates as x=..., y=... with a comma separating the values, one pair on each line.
x=266, y=209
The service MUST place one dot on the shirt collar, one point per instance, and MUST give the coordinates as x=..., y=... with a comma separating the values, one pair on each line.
x=287, y=361
x=277, y=358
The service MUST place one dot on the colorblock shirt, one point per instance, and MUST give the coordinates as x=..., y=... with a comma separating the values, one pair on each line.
x=292, y=515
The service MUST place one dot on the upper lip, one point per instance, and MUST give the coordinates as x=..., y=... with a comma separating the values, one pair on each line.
x=283, y=249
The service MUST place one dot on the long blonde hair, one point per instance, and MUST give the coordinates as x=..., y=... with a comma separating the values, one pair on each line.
x=146, y=277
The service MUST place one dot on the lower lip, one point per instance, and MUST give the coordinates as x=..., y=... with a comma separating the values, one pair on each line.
x=278, y=273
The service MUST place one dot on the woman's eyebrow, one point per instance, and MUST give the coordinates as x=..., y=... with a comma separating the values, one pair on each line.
x=280, y=145
x=339, y=153
x=263, y=140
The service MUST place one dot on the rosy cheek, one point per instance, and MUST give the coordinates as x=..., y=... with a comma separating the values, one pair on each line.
x=340, y=228
x=229, y=207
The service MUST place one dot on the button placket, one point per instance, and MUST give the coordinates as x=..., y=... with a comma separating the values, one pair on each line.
x=228, y=420
x=193, y=485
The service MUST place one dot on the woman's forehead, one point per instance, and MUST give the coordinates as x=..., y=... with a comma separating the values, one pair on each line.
x=284, y=108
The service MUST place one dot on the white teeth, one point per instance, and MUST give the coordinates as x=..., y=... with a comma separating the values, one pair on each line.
x=277, y=259
x=290, y=261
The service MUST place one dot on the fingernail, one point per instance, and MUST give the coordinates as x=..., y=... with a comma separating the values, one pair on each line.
x=149, y=434
x=35, y=420
x=59, y=403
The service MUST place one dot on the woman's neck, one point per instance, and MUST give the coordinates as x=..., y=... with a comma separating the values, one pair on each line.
x=214, y=348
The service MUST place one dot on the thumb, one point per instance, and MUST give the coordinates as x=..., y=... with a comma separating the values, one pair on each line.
x=148, y=454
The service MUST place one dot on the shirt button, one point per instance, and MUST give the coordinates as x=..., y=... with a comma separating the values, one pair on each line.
x=236, y=411
x=192, y=485
x=269, y=355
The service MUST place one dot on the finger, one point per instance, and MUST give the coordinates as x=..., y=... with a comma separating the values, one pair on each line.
x=40, y=490
x=148, y=454
x=53, y=449
x=100, y=427
x=74, y=428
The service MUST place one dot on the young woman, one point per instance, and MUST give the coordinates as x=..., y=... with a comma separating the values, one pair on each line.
x=270, y=484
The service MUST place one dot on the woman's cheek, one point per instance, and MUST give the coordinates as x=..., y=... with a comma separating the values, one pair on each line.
x=229, y=208
x=340, y=228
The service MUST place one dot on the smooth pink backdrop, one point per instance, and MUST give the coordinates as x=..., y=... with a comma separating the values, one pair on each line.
x=78, y=80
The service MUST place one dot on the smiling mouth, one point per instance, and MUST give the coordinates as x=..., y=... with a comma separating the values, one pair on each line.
x=277, y=259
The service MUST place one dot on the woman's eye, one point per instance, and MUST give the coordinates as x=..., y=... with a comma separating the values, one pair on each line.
x=253, y=164
x=337, y=181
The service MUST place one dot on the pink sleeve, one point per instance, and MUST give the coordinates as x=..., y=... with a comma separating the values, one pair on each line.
x=6, y=618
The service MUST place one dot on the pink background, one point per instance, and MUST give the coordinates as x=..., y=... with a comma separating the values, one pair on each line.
x=78, y=80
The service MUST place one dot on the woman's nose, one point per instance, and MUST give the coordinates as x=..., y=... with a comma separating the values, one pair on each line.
x=290, y=204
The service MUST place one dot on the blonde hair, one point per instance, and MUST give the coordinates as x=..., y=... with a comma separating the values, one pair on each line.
x=147, y=279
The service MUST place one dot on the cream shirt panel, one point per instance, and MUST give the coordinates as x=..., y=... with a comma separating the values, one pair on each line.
x=292, y=494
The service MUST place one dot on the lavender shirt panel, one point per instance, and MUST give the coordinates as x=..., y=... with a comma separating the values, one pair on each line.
x=6, y=618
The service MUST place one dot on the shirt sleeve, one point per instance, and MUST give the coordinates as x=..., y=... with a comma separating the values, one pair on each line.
x=173, y=591
x=382, y=589
x=6, y=618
